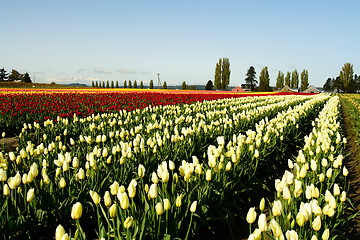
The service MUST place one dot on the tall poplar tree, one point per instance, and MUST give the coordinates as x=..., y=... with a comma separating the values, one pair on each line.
x=264, y=80
x=135, y=84
x=347, y=76
x=304, y=80
x=130, y=86
x=288, y=79
x=280, y=80
x=125, y=84
x=294, y=79
x=141, y=85
x=151, y=85
x=222, y=74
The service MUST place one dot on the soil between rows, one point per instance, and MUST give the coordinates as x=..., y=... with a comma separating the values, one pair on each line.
x=352, y=229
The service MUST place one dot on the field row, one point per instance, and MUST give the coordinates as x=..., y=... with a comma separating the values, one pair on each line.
x=19, y=106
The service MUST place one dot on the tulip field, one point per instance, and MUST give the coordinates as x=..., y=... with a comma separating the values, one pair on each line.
x=167, y=165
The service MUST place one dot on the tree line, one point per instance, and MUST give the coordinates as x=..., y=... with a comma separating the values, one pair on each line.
x=14, y=76
x=345, y=82
x=222, y=78
x=126, y=84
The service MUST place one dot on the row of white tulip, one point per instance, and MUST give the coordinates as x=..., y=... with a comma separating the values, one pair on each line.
x=74, y=154
x=308, y=202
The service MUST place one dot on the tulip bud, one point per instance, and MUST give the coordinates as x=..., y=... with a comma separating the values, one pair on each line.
x=76, y=211
x=171, y=165
x=228, y=166
x=95, y=197
x=114, y=188
x=336, y=190
x=277, y=207
x=62, y=183
x=303, y=172
x=251, y=215
x=314, y=237
x=128, y=222
x=107, y=199
x=141, y=171
x=75, y=162
x=208, y=175
x=167, y=204
x=275, y=228
x=262, y=204
x=193, y=207
x=60, y=232
x=343, y=196
x=326, y=234
x=153, y=191
x=3, y=175
x=316, y=224
x=113, y=211
x=321, y=177
x=300, y=219
x=131, y=191
x=286, y=193
x=12, y=156
x=329, y=173
x=124, y=200
x=159, y=208
x=345, y=171
x=178, y=201
x=262, y=223
x=30, y=195
x=6, y=190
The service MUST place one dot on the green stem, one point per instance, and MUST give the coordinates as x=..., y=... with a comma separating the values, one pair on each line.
x=187, y=234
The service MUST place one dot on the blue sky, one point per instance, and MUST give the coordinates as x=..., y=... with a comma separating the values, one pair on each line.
x=83, y=41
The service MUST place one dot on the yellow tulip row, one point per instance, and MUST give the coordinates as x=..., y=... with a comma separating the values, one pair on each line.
x=308, y=202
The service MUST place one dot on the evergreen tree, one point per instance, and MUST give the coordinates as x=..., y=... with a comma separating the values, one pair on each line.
x=125, y=84
x=26, y=78
x=92, y=84
x=141, y=85
x=288, y=79
x=209, y=85
x=264, y=80
x=151, y=85
x=4, y=76
x=107, y=84
x=346, y=77
x=280, y=80
x=183, y=86
x=15, y=75
x=135, y=84
x=304, y=80
x=251, y=78
x=130, y=85
x=164, y=85
x=328, y=86
x=96, y=84
x=294, y=79
x=103, y=84
x=117, y=84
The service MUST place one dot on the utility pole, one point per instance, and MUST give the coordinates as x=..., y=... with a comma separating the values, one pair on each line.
x=159, y=82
